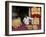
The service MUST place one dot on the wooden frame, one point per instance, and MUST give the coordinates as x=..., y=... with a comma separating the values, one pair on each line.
x=7, y=18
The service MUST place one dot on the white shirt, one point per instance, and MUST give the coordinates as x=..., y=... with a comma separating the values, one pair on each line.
x=26, y=20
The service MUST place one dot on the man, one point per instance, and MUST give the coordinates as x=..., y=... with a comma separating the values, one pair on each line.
x=27, y=19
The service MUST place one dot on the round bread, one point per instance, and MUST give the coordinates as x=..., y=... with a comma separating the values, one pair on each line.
x=16, y=22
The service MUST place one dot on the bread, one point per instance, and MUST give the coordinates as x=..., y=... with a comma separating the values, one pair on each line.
x=35, y=10
x=35, y=21
x=16, y=22
x=35, y=27
x=29, y=27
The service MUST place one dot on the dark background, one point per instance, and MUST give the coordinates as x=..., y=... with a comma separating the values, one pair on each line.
x=21, y=12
